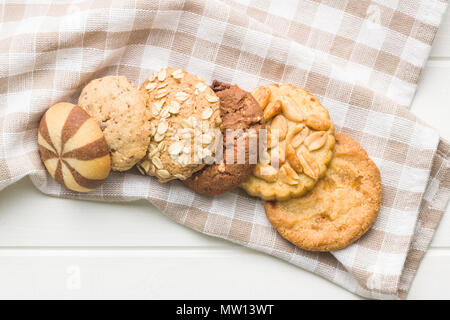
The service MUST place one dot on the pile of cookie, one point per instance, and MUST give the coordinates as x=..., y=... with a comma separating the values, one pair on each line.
x=320, y=189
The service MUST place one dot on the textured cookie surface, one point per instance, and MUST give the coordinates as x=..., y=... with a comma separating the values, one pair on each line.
x=73, y=147
x=241, y=113
x=185, y=117
x=341, y=207
x=120, y=109
x=300, y=143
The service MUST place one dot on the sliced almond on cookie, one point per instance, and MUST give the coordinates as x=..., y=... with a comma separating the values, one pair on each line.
x=279, y=123
x=309, y=164
x=297, y=135
x=272, y=139
x=272, y=110
x=262, y=96
x=278, y=154
x=317, y=123
x=316, y=140
x=292, y=112
x=265, y=172
x=293, y=159
x=288, y=175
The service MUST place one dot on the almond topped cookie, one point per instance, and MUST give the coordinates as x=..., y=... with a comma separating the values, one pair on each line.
x=186, y=120
x=300, y=143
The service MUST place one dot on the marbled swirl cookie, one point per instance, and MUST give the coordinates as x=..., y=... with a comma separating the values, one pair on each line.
x=73, y=147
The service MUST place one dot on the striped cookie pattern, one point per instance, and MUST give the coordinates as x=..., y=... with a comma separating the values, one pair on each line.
x=73, y=147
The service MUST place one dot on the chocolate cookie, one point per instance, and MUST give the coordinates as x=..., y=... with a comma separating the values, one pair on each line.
x=242, y=114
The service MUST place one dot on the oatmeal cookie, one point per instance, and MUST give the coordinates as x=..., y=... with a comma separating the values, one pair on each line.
x=186, y=118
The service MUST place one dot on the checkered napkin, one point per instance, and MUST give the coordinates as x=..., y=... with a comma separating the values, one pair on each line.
x=362, y=58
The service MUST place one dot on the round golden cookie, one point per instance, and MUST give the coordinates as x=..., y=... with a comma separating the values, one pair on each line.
x=73, y=147
x=120, y=109
x=341, y=207
x=300, y=143
x=185, y=124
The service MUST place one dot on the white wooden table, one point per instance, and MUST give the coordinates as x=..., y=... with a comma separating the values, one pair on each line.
x=58, y=248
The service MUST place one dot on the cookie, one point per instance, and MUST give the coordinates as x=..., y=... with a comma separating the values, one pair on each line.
x=341, y=207
x=120, y=109
x=73, y=148
x=300, y=143
x=240, y=112
x=186, y=117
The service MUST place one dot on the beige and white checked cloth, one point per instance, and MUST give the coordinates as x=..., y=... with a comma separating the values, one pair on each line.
x=362, y=58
